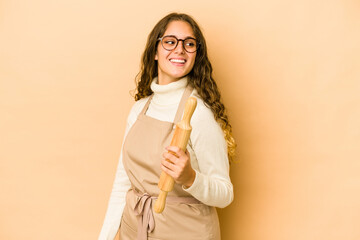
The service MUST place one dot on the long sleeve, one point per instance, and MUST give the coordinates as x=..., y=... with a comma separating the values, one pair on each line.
x=120, y=186
x=116, y=204
x=212, y=184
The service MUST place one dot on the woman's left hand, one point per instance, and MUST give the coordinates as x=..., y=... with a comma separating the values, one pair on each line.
x=179, y=166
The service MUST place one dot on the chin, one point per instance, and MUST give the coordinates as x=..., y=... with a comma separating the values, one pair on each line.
x=180, y=75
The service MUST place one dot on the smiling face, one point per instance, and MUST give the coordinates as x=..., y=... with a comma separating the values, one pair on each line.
x=177, y=63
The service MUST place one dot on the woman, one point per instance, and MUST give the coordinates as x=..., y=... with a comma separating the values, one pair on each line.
x=175, y=65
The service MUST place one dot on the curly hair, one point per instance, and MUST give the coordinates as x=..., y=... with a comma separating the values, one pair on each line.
x=200, y=77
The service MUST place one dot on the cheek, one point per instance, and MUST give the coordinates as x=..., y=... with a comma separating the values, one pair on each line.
x=162, y=58
x=161, y=54
x=193, y=61
x=157, y=53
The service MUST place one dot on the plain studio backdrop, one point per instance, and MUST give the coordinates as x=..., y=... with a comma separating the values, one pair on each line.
x=289, y=74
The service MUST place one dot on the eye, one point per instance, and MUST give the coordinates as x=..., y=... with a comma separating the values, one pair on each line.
x=191, y=43
x=170, y=42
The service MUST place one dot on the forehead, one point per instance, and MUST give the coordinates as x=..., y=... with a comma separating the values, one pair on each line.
x=180, y=29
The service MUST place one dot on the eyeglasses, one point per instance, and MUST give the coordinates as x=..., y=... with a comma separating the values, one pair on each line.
x=170, y=42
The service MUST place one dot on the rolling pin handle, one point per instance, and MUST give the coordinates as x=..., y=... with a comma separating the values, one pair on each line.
x=160, y=202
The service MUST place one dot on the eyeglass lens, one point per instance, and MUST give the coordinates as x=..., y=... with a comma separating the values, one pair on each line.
x=170, y=43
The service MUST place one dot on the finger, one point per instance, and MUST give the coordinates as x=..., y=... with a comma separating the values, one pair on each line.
x=167, y=171
x=178, y=151
x=168, y=165
x=171, y=157
x=170, y=172
x=181, y=155
x=187, y=153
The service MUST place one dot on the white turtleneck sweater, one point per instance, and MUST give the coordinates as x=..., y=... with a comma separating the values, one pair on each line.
x=207, y=148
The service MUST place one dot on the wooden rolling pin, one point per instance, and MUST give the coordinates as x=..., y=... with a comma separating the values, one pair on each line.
x=180, y=139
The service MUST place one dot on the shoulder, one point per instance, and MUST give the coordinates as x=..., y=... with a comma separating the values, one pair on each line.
x=204, y=125
x=136, y=109
x=138, y=105
x=202, y=113
x=206, y=131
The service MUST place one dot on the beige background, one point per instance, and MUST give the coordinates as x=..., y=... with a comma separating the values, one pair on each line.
x=289, y=73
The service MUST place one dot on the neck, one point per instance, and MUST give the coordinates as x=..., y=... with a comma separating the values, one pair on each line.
x=166, y=80
x=168, y=93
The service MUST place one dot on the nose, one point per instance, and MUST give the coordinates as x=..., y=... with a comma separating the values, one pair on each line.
x=180, y=47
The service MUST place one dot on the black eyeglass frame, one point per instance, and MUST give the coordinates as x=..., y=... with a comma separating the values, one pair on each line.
x=178, y=40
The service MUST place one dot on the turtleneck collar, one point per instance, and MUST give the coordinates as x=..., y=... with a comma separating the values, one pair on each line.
x=169, y=93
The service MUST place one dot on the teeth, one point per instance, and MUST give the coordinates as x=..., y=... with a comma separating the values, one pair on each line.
x=177, y=60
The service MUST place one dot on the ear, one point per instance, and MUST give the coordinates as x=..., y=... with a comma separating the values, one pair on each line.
x=156, y=56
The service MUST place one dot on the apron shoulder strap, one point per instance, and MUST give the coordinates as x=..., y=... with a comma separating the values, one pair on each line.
x=182, y=103
x=143, y=111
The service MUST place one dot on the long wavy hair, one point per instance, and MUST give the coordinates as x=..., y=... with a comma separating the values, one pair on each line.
x=200, y=77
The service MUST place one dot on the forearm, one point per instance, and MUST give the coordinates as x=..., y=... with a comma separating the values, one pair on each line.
x=211, y=190
x=116, y=204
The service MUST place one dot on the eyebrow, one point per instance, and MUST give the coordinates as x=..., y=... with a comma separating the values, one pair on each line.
x=178, y=37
